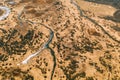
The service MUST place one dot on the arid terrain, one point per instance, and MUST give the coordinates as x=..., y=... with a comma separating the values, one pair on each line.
x=59, y=40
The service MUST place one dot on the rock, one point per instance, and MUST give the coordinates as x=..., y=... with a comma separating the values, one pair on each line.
x=116, y=15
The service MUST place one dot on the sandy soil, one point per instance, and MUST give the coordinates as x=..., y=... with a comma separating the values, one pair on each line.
x=59, y=40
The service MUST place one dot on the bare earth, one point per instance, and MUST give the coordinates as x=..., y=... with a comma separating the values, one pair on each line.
x=59, y=40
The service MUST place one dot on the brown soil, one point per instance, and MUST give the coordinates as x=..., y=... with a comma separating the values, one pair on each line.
x=1, y=12
x=84, y=47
